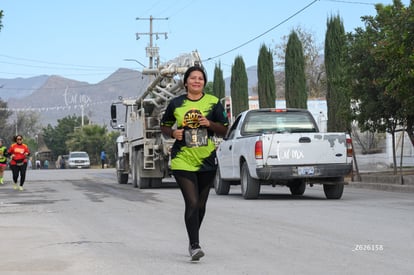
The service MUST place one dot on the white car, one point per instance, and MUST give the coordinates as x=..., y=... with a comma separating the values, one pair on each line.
x=79, y=159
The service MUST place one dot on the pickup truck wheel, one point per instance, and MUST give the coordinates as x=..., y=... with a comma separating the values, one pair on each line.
x=334, y=191
x=297, y=187
x=222, y=187
x=250, y=187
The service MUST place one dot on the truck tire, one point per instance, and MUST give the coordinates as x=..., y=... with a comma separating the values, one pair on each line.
x=137, y=180
x=133, y=167
x=142, y=183
x=334, y=191
x=297, y=187
x=222, y=187
x=122, y=177
x=156, y=182
x=250, y=187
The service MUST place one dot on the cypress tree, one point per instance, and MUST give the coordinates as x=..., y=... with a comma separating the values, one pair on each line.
x=337, y=98
x=295, y=79
x=1, y=16
x=239, y=87
x=266, y=85
x=218, y=82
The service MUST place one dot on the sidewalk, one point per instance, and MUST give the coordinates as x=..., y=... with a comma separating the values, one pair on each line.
x=385, y=180
x=376, y=174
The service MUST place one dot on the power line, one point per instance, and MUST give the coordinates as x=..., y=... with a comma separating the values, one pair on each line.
x=179, y=9
x=4, y=86
x=58, y=68
x=91, y=70
x=351, y=2
x=260, y=35
x=50, y=63
x=284, y=21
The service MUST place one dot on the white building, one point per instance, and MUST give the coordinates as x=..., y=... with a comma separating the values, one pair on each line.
x=319, y=110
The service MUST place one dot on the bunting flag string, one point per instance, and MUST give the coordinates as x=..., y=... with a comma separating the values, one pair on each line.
x=56, y=108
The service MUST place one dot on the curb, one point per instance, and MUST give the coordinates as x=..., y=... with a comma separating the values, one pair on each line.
x=382, y=186
x=385, y=182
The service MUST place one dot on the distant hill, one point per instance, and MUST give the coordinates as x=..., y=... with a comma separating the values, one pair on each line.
x=55, y=97
x=20, y=87
x=59, y=97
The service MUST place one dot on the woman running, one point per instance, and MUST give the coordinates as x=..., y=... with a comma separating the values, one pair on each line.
x=18, y=152
x=198, y=116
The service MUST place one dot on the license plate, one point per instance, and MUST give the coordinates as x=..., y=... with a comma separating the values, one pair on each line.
x=306, y=170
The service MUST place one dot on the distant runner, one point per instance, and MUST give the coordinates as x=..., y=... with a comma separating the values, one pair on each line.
x=3, y=160
x=18, y=152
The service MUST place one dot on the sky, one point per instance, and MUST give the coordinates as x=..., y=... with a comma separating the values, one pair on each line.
x=89, y=40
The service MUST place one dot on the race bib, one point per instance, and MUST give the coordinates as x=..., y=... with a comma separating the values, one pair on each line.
x=196, y=137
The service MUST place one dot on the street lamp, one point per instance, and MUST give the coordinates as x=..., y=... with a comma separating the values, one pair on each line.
x=130, y=59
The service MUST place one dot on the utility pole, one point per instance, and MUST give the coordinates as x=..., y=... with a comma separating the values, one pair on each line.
x=152, y=52
x=83, y=121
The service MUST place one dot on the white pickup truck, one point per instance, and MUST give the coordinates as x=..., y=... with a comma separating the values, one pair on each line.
x=282, y=147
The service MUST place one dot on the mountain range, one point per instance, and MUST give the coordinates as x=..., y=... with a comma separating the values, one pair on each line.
x=55, y=97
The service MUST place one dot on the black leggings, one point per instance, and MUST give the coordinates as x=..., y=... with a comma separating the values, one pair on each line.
x=19, y=169
x=195, y=187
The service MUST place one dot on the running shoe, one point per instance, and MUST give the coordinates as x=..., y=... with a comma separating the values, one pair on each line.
x=21, y=188
x=15, y=186
x=195, y=252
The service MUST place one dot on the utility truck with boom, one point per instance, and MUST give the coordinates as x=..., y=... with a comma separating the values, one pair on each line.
x=142, y=151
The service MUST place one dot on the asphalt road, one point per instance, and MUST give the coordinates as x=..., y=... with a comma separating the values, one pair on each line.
x=82, y=222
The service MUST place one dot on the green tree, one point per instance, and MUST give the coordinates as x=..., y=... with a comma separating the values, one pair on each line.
x=314, y=67
x=393, y=27
x=374, y=109
x=337, y=96
x=295, y=80
x=55, y=137
x=218, y=83
x=208, y=89
x=89, y=138
x=5, y=113
x=27, y=123
x=266, y=86
x=1, y=17
x=239, y=87
x=380, y=68
x=110, y=147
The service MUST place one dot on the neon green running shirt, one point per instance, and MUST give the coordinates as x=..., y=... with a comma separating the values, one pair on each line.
x=3, y=154
x=184, y=112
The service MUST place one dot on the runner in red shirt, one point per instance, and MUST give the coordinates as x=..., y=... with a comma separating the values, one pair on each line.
x=18, y=152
